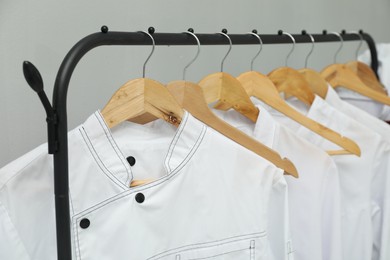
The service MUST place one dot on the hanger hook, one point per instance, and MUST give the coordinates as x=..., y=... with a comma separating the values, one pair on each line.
x=341, y=45
x=293, y=47
x=254, y=33
x=191, y=32
x=224, y=33
x=312, y=47
x=149, y=33
x=360, y=43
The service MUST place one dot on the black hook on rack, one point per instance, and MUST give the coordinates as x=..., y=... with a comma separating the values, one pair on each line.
x=34, y=80
x=57, y=112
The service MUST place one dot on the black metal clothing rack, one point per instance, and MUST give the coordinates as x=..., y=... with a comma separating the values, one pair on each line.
x=57, y=114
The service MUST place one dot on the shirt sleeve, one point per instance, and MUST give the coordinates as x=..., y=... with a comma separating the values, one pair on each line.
x=278, y=222
x=11, y=246
x=331, y=212
x=380, y=194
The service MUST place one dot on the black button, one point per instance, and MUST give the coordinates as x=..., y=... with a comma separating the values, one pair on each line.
x=131, y=160
x=140, y=197
x=84, y=223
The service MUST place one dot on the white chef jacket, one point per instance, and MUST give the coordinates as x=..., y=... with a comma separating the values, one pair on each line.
x=359, y=176
x=367, y=104
x=209, y=200
x=314, y=198
x=382, y=230
x=358, y=114
x=383, y=50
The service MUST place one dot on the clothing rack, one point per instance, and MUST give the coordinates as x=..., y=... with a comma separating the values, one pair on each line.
x=57, y=112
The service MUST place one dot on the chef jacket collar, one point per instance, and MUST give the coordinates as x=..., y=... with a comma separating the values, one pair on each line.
x=99, y=136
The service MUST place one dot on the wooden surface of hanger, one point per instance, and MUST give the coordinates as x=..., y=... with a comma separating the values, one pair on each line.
x=316, y=83
x=192, y=99
x=339, y=75
x=229, y=93
x=292, y=83
x=227, y=90
x=261, y=87
x=366, y=75
x=363, y=71
x=141, y=101
x=289, y=81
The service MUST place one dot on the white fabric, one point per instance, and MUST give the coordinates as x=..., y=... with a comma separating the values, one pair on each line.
x=359, y=176
x=358, y=114
x=210, y=199
x=383, y=51
x=367, y=104
x=382, y=224
x=314, y=198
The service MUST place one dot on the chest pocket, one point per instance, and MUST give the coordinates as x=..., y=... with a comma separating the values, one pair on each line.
x=250, y=247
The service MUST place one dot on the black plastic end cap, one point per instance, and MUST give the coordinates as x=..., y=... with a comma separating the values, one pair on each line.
x=324, y=32
x=104, y=29
x=280, y=32
x=191, y=30
x=32, y=76
x=254, y=31
x=361, y=31
x=304, y=32
x=343, y=31
x=224, y=30
x=151, y=30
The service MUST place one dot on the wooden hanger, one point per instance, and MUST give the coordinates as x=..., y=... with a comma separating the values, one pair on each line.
x=228, y=91
x=289, y=81
x=339, y=75
x=315, y=82
x=261, y=87
x=292, y=83
x=142, y=100
x=191, y=97
x=366, y=75
x=363, y=71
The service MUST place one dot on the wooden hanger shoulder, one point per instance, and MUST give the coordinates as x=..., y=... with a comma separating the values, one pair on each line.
x=317, y=84
x=191, y=97
x=268, y=94
x=338, y=75
x=141, y=101
x=228, y=91
x=292, y=83
x=366, y=75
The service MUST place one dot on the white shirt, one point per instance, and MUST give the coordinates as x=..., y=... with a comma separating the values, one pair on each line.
x=314, y=199
x=359, y=176
x=383, y=50
x=210, y=198
x=382, y=220
x=358, y=114
x=367, y=104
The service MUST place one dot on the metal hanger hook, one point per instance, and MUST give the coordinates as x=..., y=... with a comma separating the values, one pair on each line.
x=260, y=49
x=151, y=53
x=230, y=48
x=293, y=47
x=360, y=43
x=341, y=45
x=196, y=55
x=311, y=50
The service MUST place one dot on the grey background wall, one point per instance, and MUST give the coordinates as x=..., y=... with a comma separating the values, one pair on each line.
x=43, y=31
